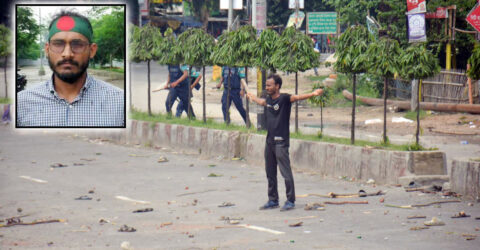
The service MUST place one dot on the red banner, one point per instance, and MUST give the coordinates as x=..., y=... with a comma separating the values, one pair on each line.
x=440, y=13
x=416, y=6
x=473, y=17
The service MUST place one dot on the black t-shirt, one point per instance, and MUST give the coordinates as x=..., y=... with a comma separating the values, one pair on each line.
x=278, y=119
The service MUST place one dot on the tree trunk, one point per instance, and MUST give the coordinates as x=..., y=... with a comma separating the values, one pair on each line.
x=203, y=102
x=354, y=102
x=417, y=134
x=245, y=92
x=5, y=74
x=189, y=111
x=227, y=113
x=296, y=103
x=130, y=86
x=148, y=88
x=385, y=93
x=414, y=96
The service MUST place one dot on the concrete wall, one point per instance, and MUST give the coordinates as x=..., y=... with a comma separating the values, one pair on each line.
x=465, y=178
x=324, y=158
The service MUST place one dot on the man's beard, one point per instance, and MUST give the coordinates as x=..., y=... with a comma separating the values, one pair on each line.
x=69, y=77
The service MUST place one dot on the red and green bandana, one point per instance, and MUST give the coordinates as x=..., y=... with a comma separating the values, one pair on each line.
x=71, y=23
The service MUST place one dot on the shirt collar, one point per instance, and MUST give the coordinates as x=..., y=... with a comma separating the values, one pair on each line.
x=88, y=83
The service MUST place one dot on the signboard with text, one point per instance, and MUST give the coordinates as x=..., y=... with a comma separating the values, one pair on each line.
x=237, y=4
x=321, y=22
x=473, y=18
x=416, y=6
x=417, y=31
x=291, y=4
x=296, y=19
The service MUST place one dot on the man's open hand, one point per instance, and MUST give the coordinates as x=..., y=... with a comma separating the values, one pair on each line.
x=317, y=92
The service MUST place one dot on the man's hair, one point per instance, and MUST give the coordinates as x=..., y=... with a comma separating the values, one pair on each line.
x=277, y=79
x=69, y=13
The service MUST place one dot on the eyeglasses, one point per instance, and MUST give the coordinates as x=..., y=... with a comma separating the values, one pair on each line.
x=77, y=46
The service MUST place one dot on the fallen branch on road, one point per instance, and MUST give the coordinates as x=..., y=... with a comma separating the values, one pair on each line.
x=334, y=195
x=345, y=202
x=421, y=205
x=31, y=223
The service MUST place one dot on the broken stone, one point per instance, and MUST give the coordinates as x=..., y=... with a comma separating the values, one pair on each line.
x=434, y=222
x=143, y=210
x=58, y=165
x=126, y=228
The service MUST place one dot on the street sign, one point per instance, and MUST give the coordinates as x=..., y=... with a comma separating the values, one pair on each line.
x=321, y=22
x=416, y=6
x=441, y=13
x=296, y=19
x=473, y=18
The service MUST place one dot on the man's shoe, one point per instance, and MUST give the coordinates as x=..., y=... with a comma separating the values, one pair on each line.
x=288, y=206
x=269, y=205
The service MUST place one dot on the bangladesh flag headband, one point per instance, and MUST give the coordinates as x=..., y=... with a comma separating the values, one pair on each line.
x=71, y=23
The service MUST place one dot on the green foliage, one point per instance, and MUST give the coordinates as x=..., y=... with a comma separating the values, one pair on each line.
x=474, y=62
x=416, y=62
x=412, y=115
x=265, y=48
x=383, y=57
x=223, y=50
x=196, y=47
x=350, y=46
x=294, y=52
x=146, y=43
x=277, y=12
x=353, y=11
x=27, y=33
x=108, y=32
x=243, y=42
x=5, y=41
x=323, y=99
x=169, y=53
x=391, y=16
x=369, y=85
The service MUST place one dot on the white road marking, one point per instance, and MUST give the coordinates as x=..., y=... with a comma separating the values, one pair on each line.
x=32, y=179
x=124, y=198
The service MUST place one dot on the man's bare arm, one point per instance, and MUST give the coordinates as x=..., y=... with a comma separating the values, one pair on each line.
x=185, y=75
x=316, y=92
x=259, y=101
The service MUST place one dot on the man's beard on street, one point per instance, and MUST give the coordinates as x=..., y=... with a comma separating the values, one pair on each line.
x=69, y=77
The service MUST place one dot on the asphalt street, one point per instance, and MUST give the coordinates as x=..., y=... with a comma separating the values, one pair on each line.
x=42, y=173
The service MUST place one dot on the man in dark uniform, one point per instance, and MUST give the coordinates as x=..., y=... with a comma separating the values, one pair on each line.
x=278, y=139
x=235, y=91
x=177, y=84
x=195, y=76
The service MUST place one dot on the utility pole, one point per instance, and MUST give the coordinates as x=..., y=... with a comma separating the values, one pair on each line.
x=230, y=14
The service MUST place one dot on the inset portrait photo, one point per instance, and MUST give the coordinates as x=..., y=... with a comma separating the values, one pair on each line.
x=70, y=63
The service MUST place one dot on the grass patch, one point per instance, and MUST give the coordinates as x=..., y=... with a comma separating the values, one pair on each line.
x=360, y=143
x=4, y=100
x=211, y=124
x=412, y=115
x=164, y=118
x=317, y=78
x=118, y=70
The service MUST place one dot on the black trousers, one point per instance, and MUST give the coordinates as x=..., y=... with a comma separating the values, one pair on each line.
x=277, y=154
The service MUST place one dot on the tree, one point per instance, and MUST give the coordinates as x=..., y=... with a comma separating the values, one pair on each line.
x=265, y=48
x=244, y=41
x=353, y=12
x=146, y=46
x=320, y=101
x=197, y=47
x=5, y=48
x=109, y=32
x=383, y=60
x=27, y=32
x=418, y=63
x=277, y=12
x=474, y=62
x=350, y=46
x=294, y=52
x=202, y=9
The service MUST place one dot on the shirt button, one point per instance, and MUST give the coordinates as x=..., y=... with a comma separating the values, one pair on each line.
x=70, y=106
